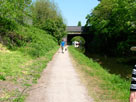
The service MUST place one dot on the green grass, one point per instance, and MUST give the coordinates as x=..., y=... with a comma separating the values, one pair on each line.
x=114, y=88
x=21, y=70
x=23, y=56
x=32, y=41
x=11, y=63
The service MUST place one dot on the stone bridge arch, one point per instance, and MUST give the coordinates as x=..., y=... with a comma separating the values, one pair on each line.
x=73, y=31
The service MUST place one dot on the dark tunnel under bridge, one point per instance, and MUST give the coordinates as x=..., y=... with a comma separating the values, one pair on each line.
x=77, y=31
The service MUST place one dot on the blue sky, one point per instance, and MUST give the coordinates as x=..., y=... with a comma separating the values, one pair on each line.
x=75, y=10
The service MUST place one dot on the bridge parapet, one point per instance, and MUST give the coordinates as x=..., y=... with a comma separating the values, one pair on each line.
x=74, y=33
x=74, y=29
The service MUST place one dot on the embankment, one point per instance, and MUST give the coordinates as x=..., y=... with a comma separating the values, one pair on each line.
x=102, y=86
x=24, y=53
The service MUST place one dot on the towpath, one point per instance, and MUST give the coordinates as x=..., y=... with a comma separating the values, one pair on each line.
x=59, y=83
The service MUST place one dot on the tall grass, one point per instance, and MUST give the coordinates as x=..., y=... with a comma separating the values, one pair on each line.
x=115, y=89
x=30, y=40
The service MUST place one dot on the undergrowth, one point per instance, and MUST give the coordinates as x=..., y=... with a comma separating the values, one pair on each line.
x=24, y=53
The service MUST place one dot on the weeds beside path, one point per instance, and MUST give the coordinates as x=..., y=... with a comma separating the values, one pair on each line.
x=18, y=72
x=103, y=86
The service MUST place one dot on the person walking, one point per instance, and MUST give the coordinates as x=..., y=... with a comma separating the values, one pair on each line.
x=133, y=86
x=62, y=45
x=133, y=82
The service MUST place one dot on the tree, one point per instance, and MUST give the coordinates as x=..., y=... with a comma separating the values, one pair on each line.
x=114, y=24
x=42, y=10
x=13, y=9
x=79, y=23
x=55, y=28
x=11, y=13
x=46, y=16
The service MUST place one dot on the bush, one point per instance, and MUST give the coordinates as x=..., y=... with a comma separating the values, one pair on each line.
x=36, y=42
x=6, y=25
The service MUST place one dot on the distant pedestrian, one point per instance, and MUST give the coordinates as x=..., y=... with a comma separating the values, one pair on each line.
x=62, y=45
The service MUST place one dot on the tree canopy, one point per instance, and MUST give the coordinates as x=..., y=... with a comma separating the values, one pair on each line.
x=14, y=9
x=46, y=16
x=43, y=14
x=114, y=25
x=79, y=23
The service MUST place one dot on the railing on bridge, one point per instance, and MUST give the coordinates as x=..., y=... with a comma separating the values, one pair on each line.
x=74, y=33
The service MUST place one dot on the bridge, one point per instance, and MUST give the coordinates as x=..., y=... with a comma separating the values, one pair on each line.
x=73, y=31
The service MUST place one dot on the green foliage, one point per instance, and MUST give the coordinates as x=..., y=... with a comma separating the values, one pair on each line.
x=22, y=70
x=29, y=39
x=55, y=27
x=6, y=25
x=42, y=10
x=11, y=13
x=36, y=42
x=113, y=23
x=112, y=85
x=14, y=10
x=25, y=64
x=47, y=17
x=27, y=49
x=2, y=77
x=79, y=23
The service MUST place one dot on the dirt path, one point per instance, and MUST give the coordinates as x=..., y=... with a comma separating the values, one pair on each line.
x=59, y=83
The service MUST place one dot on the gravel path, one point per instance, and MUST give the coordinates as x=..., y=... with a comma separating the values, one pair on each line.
x=59, y=83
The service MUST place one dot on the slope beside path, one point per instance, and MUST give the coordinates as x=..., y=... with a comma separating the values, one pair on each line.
x=59, y=83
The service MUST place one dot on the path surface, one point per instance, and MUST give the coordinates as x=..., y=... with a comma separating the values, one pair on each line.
x=59, y=83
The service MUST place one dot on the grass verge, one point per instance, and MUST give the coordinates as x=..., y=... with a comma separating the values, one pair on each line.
x=24, y=53
x=102, y=86
x=18, y=72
